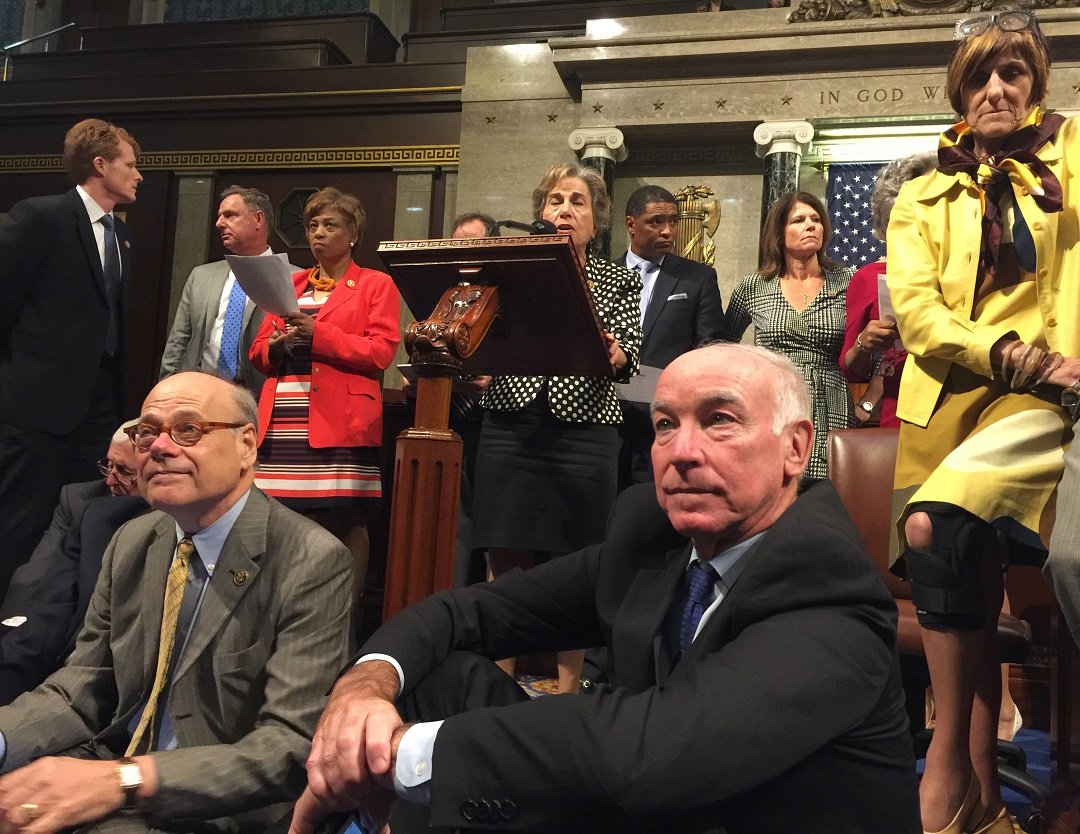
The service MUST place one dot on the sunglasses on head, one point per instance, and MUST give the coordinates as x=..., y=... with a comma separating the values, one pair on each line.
x=969, y=27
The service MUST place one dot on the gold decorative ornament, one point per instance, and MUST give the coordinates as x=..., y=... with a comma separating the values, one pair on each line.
x=697, y=222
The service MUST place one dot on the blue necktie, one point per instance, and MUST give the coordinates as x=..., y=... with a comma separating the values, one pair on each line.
x=228, y=358
x=700, y=578
x=111, y=271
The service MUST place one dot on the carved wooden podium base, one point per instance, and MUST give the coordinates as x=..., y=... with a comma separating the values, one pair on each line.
x=427, y=462
x=536, y=287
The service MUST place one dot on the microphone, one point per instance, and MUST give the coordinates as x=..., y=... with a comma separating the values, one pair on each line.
x=537, y=227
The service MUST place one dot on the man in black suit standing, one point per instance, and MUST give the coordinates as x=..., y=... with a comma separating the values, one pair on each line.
x=45, y=605
x=65, y=263
x=680, y=309
x=756, y=684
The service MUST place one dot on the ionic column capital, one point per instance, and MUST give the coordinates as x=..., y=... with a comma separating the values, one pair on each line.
x=606, y=142
x=783, y=137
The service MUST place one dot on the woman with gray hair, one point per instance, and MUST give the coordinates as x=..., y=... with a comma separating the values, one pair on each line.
x=868, y=354
x=547, y=461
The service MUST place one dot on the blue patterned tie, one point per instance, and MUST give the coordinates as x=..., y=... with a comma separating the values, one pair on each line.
x=111, y=271
x=228, y=358
x=700, y=578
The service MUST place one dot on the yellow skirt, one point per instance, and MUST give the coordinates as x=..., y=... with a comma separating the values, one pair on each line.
x=991, y=451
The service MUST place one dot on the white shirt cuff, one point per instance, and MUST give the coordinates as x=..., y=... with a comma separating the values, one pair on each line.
x=397, y=666
x=412, y=775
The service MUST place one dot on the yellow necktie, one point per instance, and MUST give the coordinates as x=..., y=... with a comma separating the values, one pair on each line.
x=174, y=594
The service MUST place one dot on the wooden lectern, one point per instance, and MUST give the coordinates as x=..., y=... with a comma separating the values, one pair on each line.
x=514, y=305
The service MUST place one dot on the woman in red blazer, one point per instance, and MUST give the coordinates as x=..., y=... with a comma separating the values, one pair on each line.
x=320, y=410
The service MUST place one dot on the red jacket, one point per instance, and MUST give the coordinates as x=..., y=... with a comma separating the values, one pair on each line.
x=356, y=335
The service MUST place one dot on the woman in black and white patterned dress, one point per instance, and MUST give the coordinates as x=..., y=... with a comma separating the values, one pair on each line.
x=547, y=461
x=796, y=302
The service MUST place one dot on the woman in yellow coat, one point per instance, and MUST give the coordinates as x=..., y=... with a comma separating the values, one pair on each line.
x=983, y=274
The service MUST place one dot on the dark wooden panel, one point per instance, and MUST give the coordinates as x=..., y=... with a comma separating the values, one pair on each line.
x=377, y=190
x=544, y=13
x=140, y=62
x=453, y=46
x=152, y=220
x=389, y=88
x=361, y=37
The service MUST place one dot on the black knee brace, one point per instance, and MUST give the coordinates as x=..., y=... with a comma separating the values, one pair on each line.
x=946, y=581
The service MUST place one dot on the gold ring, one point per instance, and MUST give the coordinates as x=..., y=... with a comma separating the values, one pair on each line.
x=31, y=810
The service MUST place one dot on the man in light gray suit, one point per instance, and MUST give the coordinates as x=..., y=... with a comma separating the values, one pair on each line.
x=202, y=321
x=216, y=628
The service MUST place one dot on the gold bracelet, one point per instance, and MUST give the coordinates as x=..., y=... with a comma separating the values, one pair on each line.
x=860, y=346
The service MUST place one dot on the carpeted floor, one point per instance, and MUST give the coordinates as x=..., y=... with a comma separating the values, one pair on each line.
x=536, y=685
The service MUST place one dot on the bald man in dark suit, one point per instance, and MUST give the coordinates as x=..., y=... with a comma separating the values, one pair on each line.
x=756, y=685
x=45, y=605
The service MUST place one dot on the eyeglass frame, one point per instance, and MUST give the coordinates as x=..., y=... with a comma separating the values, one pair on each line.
x=991, y=19
x=204, y=426
x=106, y=467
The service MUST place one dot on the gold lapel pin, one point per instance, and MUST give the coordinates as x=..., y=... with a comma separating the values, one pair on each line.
x=350, y=283
x=240, y=577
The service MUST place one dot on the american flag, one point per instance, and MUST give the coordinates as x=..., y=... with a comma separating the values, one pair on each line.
x=848, y=201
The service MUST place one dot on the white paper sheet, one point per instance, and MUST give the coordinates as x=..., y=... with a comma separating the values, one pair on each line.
x=267, y=281
x=885, y=308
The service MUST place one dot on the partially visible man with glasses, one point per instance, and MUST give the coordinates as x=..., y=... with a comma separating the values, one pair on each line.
x=48, y=597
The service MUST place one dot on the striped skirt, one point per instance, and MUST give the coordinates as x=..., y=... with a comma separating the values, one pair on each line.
x=303, y=477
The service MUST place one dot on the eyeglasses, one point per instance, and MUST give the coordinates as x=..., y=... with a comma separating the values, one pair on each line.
x=184, y=433
x=968, y=27
x=123, y=475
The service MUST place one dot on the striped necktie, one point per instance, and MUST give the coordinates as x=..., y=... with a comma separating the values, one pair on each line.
x=174, y=594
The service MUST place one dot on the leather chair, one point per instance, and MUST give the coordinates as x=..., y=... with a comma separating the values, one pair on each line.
x=861, y=464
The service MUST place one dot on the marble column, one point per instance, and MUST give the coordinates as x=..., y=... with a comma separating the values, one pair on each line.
x=781, y=145
x=600, y=148
x=196, y=203
x=412, y=221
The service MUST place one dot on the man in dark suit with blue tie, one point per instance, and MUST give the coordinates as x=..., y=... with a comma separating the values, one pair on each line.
x=65, y=264
x=755, y=687
x=680, y=309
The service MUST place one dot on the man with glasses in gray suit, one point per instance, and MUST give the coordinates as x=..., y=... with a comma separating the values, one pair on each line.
x=216, y=628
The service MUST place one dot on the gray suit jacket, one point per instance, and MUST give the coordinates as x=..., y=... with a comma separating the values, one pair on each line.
x=195, y=315
x=270, y=637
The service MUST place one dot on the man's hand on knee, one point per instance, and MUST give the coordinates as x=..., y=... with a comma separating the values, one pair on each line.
x=352, y=759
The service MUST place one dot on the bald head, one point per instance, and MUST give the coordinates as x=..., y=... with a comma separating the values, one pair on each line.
x=196, y=484
x=732, y=439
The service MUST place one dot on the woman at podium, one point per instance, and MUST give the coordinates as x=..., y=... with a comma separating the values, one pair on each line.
x=547, y=461
x=320, y=411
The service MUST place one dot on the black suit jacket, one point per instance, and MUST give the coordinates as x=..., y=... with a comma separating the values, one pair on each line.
x=684, y=310
x=786, y=714
x=49, y=595
x=55, y=313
